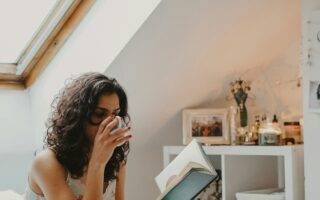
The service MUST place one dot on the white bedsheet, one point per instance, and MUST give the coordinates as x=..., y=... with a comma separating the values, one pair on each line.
x=10, y=195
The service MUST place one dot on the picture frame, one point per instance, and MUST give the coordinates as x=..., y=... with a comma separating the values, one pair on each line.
x=207, y=126
x=314, y=96
x=314, y=39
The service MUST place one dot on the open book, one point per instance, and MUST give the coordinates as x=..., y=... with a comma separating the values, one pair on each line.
x=187, y=175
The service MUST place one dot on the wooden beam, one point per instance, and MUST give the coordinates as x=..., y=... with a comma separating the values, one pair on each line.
x=41, y=61
x=11, y=81
x=12, y=85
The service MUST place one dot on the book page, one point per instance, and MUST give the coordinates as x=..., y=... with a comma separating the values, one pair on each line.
x=191, y=153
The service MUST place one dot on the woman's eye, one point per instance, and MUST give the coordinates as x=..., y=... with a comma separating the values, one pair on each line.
x=99, y=114
x=116, y=113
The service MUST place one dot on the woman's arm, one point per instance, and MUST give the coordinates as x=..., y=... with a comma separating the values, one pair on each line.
x=94, y=182
x=120, y=182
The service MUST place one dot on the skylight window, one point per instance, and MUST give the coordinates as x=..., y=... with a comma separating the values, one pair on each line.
x=31, y=33
x=20, y=21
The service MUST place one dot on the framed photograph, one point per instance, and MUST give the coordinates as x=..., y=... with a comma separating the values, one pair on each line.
x=208, y=126
x=313, y=38
x=314, y=96
x=314, y=49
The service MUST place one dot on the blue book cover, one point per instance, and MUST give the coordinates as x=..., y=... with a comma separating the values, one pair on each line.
x=195, y=181
x=187, y=175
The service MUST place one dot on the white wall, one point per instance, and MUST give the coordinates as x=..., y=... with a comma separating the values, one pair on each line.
x=311, y=120
x=102, y=34
x=187, y=53
x=183, y=56
x=17, y=140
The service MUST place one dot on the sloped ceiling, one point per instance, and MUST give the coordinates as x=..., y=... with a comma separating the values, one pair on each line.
x=186, y=54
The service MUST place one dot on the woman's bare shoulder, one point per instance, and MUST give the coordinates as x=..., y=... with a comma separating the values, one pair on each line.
x=46, y=164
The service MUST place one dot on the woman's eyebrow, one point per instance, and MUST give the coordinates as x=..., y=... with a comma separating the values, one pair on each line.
x=105, y=109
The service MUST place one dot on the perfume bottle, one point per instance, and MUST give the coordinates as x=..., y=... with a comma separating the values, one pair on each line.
x=255, y=129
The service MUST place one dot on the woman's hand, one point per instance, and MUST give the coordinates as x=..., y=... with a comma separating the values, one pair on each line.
x=107, y=140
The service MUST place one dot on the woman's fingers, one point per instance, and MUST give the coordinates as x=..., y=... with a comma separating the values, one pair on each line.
x=104, y=123
x=119, y=130
x=110, y=126
x=123, y=139
x=118, y=133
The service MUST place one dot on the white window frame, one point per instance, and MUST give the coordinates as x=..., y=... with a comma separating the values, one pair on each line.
x=44, y=45
x=48, y=26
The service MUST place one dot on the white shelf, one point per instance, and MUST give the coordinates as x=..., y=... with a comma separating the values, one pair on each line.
x=254, y=167
x=238, y=150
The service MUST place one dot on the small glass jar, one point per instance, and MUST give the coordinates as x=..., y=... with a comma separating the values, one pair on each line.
x=269, y=134
x=293, y=130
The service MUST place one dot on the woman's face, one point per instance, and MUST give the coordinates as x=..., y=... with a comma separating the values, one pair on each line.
x=107, y=105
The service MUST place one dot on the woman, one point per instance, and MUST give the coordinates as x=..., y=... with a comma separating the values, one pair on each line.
x=85, y=154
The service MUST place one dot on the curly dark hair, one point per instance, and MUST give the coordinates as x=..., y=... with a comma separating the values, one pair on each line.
x=65, y=133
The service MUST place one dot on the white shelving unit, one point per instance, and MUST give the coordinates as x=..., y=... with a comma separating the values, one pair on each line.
x=254, y=167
